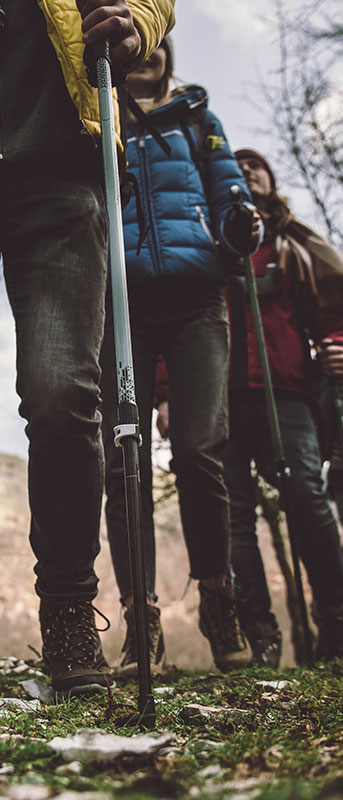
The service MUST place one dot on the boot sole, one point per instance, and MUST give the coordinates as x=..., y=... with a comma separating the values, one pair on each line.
x=237, y=659
x=79, y=691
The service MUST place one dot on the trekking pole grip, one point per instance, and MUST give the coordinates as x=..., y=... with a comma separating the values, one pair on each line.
x=91, y=56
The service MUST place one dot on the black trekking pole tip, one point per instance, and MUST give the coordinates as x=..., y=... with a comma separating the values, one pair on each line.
x=145, y=717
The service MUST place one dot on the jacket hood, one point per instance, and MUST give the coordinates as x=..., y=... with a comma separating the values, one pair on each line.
x=188, y=96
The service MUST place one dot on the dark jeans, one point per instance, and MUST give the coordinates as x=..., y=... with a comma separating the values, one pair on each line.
x=188, y=325
x=315, y=526
x=52, y=235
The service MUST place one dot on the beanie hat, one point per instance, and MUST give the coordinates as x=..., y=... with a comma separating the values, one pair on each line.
x=240, y=155
x=167, y=45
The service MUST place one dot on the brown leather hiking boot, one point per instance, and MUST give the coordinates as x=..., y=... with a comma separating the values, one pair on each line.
x=219, y=623
x=265, y=639
x=72, y=649
x=129, y=666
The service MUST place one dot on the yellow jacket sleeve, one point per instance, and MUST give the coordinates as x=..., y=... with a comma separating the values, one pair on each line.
x=154, y=18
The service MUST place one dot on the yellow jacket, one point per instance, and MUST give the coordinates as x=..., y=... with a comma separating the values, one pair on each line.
x=153, y=18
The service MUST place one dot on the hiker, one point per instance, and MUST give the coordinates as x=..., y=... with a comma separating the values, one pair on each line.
x=53, y=240
x=300, y=287
x=299, y=281
x=177, y=308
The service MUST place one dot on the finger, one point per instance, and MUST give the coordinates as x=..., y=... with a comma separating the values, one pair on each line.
x=108, y=24
x=127, y=51
x=86, y=7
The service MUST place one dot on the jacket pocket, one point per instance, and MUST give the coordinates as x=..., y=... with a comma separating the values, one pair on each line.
x=204, y=225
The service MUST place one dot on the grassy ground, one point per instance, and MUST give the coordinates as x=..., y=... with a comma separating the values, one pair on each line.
x=289, y=746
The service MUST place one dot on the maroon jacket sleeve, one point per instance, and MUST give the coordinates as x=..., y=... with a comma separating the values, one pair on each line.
x=331, y=324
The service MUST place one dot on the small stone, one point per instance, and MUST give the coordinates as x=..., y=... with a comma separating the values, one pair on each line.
x=269, y=686
x=21, y=705
x=7, y=769
x=93, y=745
x=27, y=791
x=169, y=753
x=38, y=690
x=214, y=715
x=213, y=770
x=200, y=746
x=73, y=768
x=5, y=663
x=164, y=690
x=20, y=668
x=37, y=672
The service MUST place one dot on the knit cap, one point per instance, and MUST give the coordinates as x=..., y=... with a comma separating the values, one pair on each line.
x=240, y=155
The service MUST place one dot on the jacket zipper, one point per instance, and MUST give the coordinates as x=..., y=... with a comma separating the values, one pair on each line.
x=151, y=233
x=204, y=224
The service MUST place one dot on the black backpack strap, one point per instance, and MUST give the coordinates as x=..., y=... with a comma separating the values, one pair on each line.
x=196, y=131
x=202, y=139
x=128, y=184
x=146, y=123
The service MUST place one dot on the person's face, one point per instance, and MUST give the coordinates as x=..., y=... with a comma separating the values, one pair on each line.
x=256, y=177
x=144, y=81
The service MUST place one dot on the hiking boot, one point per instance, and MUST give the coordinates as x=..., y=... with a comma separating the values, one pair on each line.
x=72, y=650
x=219, y=623
x=129, y=666
x=265, y=640
x=330, y=632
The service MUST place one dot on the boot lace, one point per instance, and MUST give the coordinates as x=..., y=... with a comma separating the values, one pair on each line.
x=218, y=618
x=71, y=635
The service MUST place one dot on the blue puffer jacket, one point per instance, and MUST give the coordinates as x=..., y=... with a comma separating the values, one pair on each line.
x=183, y=228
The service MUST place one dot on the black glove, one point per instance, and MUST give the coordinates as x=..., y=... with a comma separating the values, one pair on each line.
x=238, y=224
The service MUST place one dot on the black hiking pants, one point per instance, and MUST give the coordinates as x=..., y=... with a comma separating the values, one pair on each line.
x=315, y=526
x=187, y=324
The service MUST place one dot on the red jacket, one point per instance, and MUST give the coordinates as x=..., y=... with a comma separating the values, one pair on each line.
x=285, y=346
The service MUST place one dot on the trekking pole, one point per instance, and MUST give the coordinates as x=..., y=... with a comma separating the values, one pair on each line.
x=337, y=384
x=283, y=471
x=126, y=433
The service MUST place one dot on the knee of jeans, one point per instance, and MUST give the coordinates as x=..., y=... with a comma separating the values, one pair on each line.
x=61, y=406
x=194, y=463
x=307, y=491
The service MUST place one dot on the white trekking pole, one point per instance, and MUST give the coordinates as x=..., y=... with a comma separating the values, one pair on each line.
x=126, y=433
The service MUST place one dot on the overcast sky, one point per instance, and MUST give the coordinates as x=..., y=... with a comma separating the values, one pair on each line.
x=225, y=46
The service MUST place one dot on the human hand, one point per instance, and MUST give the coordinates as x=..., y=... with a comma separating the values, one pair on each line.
x=162, y=421
x=111, y=19
x=331, y=358
x=242, y=226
